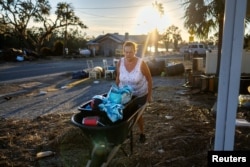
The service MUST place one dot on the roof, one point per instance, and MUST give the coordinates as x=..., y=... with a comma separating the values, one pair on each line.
x=119, y=38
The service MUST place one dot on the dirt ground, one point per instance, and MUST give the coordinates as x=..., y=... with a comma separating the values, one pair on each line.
x=183, y=140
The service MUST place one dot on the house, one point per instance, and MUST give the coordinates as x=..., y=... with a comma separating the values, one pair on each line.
x=111, y=44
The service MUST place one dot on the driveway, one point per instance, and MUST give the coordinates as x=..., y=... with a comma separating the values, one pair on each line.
x=36, y=97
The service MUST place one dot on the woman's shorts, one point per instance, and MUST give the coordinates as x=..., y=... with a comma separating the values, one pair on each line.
x=140, y=101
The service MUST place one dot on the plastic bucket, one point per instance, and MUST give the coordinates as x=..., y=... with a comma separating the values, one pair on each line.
x=197, y=64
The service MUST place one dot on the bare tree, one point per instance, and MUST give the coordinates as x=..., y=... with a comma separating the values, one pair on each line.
x=65, y=17
x=17, y=14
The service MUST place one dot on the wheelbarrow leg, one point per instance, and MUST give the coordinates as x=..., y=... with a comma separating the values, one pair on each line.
x=130, y=144
x=111, y=155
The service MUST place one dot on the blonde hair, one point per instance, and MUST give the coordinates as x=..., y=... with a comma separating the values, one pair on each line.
x=130, y=43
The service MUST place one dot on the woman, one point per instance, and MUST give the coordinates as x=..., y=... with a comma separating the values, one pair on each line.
x=133, y=71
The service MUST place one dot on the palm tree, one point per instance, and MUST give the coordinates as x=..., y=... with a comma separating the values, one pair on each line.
x=172, y=33
x=159, y=7
x=202, y=16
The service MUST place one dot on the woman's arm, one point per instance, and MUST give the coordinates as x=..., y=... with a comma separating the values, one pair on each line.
x=117, y=79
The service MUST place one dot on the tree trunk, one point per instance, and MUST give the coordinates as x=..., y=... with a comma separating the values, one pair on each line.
x=221, y=25
x=156, y=41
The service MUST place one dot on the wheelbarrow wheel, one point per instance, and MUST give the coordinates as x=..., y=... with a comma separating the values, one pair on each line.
x=98, y=156
x=96, y=161
x=117, y=163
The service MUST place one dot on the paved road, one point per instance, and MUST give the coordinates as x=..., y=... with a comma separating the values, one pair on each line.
x=23, y=70
x=10, y=72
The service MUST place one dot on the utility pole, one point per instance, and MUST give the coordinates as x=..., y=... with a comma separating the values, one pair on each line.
x=66, y=50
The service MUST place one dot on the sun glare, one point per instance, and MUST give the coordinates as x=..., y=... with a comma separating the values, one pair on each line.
x=148, y=19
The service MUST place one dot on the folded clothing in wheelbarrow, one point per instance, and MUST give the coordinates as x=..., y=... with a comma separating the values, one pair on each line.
x=104, y=111
x=94, y=116
x=112, y=104
x=120, y=95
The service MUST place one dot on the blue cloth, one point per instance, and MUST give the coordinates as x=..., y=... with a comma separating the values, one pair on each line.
x=111, y=67
x=113, y=111
x=120, y=95
x=113, y=104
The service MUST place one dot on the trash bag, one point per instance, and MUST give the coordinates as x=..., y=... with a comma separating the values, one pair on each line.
x=20, y=58
x=156, y=67
x=79, y=75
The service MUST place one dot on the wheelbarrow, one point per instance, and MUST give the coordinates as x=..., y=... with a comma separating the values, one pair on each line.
x=106, y=137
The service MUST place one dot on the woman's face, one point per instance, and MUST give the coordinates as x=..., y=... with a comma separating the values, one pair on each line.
x=129, y=52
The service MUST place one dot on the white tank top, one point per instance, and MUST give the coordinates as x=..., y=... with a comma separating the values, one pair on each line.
x=134, y=78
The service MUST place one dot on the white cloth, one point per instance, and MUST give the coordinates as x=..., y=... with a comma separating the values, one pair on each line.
x=134, y=78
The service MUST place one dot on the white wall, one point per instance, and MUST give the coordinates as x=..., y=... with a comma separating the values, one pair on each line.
x=211, y=62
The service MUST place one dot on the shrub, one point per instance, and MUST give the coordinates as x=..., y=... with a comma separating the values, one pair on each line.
x=58, y=48
x=45, y=51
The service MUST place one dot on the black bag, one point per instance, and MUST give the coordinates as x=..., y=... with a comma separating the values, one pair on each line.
x=80, y=75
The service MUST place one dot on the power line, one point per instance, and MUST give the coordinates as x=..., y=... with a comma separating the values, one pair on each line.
x=115, y=7
x=111, y=17
x=121, y=7
x=118, y=17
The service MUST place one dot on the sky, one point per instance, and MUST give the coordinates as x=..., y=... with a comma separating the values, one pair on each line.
x=120, y=16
